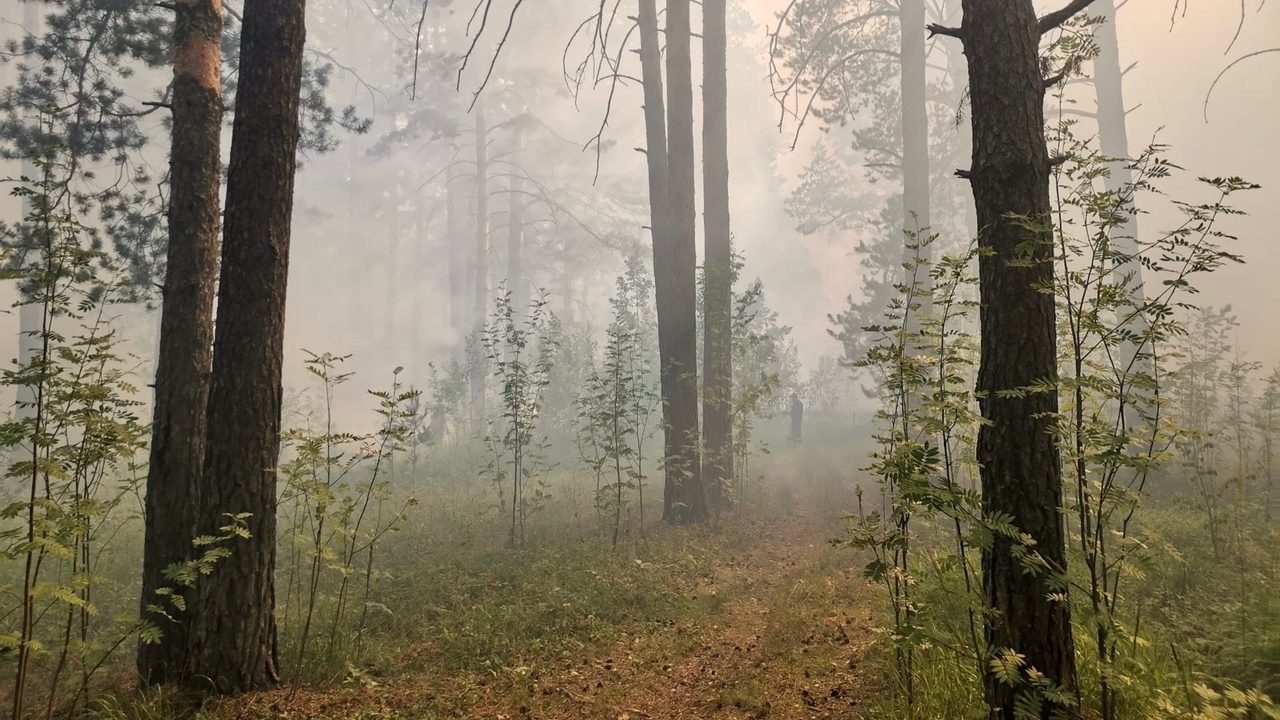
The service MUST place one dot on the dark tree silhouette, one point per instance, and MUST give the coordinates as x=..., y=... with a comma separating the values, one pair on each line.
x=233, y=640
x=717, y=324
x=185, y=356
x=1021, y=472
x=684, y=498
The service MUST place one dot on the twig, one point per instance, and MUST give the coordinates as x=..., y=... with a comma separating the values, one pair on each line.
x=1237, y=61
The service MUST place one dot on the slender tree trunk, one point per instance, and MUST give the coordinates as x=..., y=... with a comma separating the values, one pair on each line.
x=454, y=249
x=515, y=227
x=685, y=497
x=655, y=124
x=1020, y=463
x=31, y=344
x=30, y=314
x=481, y=300
x=915, y=139
x=423, y=268
x=393, y=261
x=234, y=631
x=1114, y=140
x=717, y=322
x=184, y=358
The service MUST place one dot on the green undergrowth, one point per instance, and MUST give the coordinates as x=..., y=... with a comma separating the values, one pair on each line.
x=486, y=608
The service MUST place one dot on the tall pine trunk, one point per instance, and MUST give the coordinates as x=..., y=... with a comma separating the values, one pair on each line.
x=454, y=242
x=684, y=497
x=515, y=225
x=1020, y=463
x=30, y=314
x=1113, y=137
x=423, y=213
x=184, y=359
x=234, y=630
x=717, y=324
x=655, y=125
x=915, y=137
x=481, y=300
x=389, y=331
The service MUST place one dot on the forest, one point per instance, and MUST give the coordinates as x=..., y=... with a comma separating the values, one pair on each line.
x=551, y=359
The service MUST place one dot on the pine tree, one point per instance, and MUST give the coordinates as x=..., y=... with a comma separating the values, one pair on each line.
x=234, y=633
x=684, y=498
x=1028, y=619
x=717, y=325
x=185, y=356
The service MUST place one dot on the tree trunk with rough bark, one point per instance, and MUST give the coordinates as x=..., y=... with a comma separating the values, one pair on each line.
x=684, y=499
x=717, y=323
x=1020, y=463
x=234, y=632
x=184, y=359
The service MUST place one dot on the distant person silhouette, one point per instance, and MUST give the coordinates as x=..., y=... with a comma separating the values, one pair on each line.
x=797, y=418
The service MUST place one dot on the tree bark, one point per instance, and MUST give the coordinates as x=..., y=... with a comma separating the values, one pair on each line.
x=234, y=631
x=481, y=287
x=655, y=124
x=184, y=359
x=1020, y=463
x=684, y=499
x=717, y=323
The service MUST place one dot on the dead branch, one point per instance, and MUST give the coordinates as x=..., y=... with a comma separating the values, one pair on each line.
x=1235, y=62
x=1055, y=19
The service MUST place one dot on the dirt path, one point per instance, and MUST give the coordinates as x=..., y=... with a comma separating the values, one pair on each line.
x=781, y=631
x=781, y=648
x=789, y=640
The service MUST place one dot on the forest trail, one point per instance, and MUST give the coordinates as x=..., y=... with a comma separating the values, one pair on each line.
x=781, y=629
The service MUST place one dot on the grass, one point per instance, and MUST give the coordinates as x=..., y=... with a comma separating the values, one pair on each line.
x=754, y=615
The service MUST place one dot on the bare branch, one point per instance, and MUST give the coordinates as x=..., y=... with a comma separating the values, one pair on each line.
x=936, y=29
x=1237, y=61
x=493, y=61
x=1054, y=79
x=484, y=21
x=603, y=63
x=614, y=79
x=1055, y=19
x=1239, y=27
x=417, y=49
x=1080, y=113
